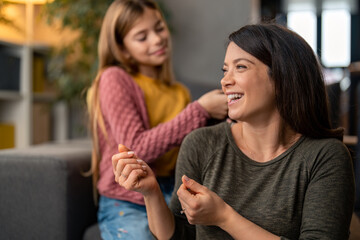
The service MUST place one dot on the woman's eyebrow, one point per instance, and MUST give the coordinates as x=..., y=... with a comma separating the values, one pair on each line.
x=238, y=60
x=242, y=59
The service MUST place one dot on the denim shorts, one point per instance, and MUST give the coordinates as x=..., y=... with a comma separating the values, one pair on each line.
x=126, y=220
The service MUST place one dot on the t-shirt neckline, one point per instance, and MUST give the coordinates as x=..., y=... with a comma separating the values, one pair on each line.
x=232, y=142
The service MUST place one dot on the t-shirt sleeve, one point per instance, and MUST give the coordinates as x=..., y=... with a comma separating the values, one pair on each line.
x=329, y=198
x=189, y=163
x=125, y=113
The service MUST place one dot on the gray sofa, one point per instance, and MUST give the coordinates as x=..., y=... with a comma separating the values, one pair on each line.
x=44, y=194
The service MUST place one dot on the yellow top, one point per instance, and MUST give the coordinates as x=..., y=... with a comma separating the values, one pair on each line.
x=163, y=103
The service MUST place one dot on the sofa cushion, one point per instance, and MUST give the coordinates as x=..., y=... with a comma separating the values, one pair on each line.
x=44, y=194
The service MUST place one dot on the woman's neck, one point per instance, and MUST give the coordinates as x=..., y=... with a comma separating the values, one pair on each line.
x=264, y=144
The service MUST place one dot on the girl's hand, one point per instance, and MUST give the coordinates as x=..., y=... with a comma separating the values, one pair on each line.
x=200, y=205
x=133, y=173
x=215, y=103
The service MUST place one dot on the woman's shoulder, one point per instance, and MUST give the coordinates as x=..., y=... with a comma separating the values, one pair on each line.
x=324, y=144
x=326, y=149
x=208, y=135
x=203, y=142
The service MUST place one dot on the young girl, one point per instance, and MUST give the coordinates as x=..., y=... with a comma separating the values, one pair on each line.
x=135, y=101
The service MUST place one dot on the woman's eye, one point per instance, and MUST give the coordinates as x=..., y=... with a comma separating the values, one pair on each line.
x=224, y=70
x=240, y=67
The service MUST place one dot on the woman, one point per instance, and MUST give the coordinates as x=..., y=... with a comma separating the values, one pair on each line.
x=279, y=171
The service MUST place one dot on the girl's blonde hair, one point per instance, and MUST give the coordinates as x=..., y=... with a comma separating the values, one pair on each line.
x=118, y=21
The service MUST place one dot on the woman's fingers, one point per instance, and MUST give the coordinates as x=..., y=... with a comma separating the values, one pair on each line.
x=132, y=181
x=125, y=172
x=125, y=167
x=121, y=163
x=123, y=148
x=128, y=170
x=190, y=189
x=123, y=155
x=184, y=206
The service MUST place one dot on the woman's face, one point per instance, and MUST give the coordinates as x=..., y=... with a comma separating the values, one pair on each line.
x=249, y=89
x=147, y=42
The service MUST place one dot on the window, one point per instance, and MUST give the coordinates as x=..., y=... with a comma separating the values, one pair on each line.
x=334, y=34
x=335, y=38
x=304, y=23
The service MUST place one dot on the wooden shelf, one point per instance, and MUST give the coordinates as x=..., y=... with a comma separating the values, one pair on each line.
x=10, y=95
x=44, y=97
x=26, y=104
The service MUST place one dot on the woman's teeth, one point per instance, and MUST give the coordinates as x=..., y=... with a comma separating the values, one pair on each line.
x=234, y=97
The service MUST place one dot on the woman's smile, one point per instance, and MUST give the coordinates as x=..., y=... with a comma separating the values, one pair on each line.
x=234, y=97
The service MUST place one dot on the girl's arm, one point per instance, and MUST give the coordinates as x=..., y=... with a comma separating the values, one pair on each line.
x=124, y=110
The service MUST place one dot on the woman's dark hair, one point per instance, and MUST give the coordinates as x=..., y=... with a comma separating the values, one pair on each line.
x=299, y=84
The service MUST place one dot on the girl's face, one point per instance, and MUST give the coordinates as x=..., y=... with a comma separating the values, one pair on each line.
x=249, y=89
x=147, y=42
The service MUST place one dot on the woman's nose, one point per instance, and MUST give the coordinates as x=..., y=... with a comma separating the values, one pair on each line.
x=227, y=80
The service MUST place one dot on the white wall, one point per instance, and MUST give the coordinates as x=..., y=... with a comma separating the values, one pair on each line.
x=201, y=28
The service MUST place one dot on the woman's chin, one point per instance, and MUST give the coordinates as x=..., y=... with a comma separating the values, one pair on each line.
x=234, y=116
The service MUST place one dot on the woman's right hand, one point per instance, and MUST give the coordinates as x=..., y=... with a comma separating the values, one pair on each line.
x=215, y=103
x=133, y=173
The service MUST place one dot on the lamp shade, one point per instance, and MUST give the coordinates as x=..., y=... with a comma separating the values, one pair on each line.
x=30, y=1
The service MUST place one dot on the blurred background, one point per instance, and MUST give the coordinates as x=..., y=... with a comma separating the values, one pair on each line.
x=48, y=59
x=48, y=56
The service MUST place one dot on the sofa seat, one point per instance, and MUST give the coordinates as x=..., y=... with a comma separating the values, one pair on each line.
x=44, y=194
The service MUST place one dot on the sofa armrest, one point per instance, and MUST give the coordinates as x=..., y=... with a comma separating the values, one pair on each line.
x=44, y=194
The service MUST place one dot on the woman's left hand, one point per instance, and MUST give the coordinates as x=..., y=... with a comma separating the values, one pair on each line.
x=200, y=205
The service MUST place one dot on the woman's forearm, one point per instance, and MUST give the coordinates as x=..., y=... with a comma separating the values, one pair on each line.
x=242, y=229
x=161, y=219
